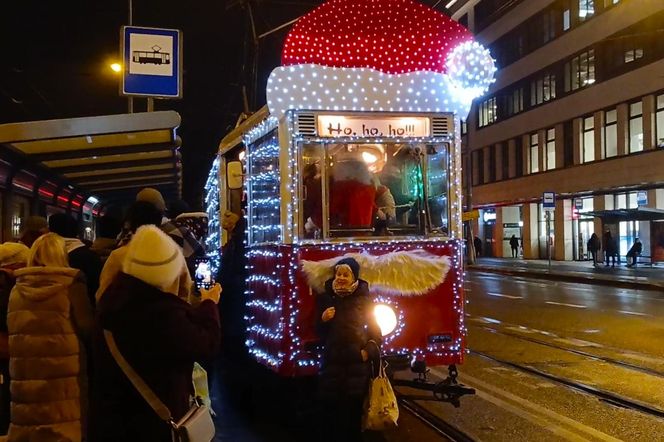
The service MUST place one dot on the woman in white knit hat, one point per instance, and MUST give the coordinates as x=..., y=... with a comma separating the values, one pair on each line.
x=160, y=336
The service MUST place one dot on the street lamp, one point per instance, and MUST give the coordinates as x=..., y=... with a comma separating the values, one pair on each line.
x=116, y=67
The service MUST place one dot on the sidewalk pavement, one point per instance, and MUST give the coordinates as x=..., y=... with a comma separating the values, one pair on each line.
x=642, y=277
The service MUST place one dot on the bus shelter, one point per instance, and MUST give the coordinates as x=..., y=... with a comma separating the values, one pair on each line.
x=84, y=166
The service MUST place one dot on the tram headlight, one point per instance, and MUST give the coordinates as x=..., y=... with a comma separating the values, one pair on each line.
x=386, y=318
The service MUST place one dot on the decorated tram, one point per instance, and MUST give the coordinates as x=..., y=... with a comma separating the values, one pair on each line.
x=357, y=154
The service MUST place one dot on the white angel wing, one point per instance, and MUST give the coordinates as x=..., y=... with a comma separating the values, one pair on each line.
x=412, y=272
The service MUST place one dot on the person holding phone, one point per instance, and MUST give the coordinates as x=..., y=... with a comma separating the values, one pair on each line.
x=159, y=334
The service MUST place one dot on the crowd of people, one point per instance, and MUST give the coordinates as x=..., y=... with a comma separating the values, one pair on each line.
x=610, y=246
x=72, y=311
x=60, y=296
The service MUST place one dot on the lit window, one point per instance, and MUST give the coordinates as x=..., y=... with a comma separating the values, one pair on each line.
x=633, y=55
x=636, y=127
x=660, y=121
x=534, y=153
x=487, y=112
x=586, y=9
x=610, y=134
x=580, y=71
x=588, y=140
x=542, y=89
x=550, y=149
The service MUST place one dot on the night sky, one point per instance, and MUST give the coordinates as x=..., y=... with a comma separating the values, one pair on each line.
x=55, y=58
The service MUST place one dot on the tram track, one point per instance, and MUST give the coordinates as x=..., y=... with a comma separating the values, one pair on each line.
x=440, y=426
x=585, y=354
x=603, y=395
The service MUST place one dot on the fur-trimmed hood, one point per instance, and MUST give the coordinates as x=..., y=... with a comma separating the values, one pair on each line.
x=41, y=283
x=411, y=272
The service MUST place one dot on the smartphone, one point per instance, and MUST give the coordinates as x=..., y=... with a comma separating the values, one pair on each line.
x=203, y=273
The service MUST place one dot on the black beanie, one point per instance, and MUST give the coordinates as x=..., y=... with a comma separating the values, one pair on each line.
x=350, y=262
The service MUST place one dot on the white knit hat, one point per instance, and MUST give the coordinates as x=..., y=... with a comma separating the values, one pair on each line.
x=153, y=257
x=13, y=253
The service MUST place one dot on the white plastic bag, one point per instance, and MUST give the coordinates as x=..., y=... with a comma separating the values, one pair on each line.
x=201, y=389
x=381, y=411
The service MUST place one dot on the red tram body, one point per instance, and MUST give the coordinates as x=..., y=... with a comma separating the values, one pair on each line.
x=357, y=157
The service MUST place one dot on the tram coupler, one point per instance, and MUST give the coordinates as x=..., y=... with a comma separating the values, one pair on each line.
x=447, y=390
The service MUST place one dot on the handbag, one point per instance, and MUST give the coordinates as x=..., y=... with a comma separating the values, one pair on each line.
x=195, y=426
x=381, y=411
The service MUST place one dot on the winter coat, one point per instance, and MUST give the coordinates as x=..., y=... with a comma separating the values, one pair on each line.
x=610, y=246
x=87, y=261
x=594, y=244
x=636, y=249
x=7, y=281
x=514, y=243
x=160, y=336
x=49, y=316
x=343, y=373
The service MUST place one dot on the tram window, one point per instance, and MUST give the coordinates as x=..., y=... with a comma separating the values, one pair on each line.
x=374, y=189
x=264, y=190
x=313, y=158
x=437, y=187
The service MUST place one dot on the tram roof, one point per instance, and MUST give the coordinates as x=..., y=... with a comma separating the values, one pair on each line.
x=109, y=157
x=234, y=137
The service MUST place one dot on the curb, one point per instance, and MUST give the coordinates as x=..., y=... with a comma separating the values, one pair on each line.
x=559, y=276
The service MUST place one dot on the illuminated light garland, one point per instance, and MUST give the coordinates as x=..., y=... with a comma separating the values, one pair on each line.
x=213, y=207
x=391, y=36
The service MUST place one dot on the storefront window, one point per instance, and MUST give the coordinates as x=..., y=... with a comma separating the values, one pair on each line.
x=534, y=154
x=635, y=127
x=550, y=149
x=588, y=140
x=610, y=134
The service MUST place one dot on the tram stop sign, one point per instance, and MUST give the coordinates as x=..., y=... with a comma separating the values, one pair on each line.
x=549, y=201
x=151, y=60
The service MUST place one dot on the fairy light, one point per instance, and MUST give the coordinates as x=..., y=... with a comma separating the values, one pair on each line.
x=212, y=207
x=357, y=56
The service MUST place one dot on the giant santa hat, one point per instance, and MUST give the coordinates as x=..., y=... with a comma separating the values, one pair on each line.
x=379, y=55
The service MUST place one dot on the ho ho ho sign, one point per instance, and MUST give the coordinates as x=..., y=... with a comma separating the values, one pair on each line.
x=335, y=126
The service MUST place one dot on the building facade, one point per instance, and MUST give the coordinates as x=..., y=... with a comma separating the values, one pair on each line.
x=577, y=109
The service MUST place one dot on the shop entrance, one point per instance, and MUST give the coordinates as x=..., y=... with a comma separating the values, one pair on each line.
x=585, y=230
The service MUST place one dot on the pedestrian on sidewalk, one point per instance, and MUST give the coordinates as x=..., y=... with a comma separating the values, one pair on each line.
x=594, y=245
x=610, y=248
x=514, y=244
x=634, y=252
x=478, y=246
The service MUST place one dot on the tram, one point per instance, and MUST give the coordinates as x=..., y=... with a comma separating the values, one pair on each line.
x=355, y=157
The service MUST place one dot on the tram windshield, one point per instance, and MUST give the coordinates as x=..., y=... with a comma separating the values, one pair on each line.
x=354, y=190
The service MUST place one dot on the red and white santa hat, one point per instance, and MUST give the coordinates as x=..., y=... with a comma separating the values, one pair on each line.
x=379, y=55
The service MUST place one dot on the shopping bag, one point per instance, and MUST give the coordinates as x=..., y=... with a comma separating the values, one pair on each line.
x=381, y=411
x=201, y=388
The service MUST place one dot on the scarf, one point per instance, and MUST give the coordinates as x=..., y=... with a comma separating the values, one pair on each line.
x=344, y=291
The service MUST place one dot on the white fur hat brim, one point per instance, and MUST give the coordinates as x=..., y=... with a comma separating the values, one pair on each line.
x=153, y=257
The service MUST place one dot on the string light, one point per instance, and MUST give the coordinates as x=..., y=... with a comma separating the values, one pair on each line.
x=212, y=207
x=362, y=56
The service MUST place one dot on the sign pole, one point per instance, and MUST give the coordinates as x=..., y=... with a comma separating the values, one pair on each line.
x=130, y=99
x=548, y=236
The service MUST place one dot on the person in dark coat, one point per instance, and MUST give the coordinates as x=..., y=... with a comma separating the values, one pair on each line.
x=610, y=248
x=477, y=243
x=351, y=339
x=80, y=256
x=594, y=246
x=634, y=252
x=514, y=245
x=160, y=336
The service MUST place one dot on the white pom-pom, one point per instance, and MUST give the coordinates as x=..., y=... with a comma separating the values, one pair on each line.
x=463, y=65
